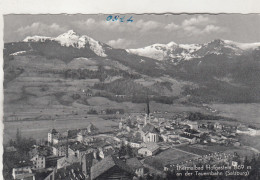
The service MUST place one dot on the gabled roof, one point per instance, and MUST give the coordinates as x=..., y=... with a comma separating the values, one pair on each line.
x=187, y=136
x=72, y=172
x=152, y=146
x=78, y=146
x=134, y=163
x=42, y=174
x=67, y=161
x=150, y=128
x=107, y=163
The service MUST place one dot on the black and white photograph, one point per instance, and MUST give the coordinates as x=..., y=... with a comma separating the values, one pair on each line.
x=131, y=96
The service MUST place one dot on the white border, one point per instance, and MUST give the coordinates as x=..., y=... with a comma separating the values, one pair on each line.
x=111, y=7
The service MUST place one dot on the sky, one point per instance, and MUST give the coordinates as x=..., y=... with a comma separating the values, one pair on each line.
x=144, y=30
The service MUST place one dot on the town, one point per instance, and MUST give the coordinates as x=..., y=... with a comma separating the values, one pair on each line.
x=143, y=146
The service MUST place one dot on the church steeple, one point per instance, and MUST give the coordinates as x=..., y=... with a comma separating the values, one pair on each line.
x=147, y=106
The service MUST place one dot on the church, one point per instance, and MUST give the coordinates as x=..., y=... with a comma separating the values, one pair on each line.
x=149, y=132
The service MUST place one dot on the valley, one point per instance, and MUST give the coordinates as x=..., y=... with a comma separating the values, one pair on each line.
x=43, y=86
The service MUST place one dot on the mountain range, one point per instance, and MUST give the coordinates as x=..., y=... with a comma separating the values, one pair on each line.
x=177, y=52
x=217, y=71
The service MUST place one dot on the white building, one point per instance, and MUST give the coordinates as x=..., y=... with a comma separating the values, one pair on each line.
x=53, y=133
x=38, y=162
x=23, y=172
x=150, y=149
x=135, y=144
x=192, y=124
x=149, y=133
x=59, y=150
x=59, y=139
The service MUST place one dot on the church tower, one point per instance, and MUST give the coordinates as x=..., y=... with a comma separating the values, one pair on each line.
x=147, y=110
x=148, y=106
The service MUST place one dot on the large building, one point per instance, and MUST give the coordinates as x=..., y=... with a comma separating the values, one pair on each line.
x=150, y=133
x=111, y=168
x=38, y=162
x=51, y=135
x=23, y=171
x=150, y=149
x=59, y=149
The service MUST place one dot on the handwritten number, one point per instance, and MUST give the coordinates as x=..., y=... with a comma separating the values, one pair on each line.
x=116, y=18
x=130, y=19
x=109, y=18
x=122, y=19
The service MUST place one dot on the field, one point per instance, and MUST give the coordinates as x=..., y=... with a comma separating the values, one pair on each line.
x=245, y=113
x=39, y=129
x=241, y=150
x=168, y=156
x=252, y=141
x=194, y=150
x=212, y=148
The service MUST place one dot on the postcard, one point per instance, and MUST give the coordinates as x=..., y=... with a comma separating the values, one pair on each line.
x=131, y=96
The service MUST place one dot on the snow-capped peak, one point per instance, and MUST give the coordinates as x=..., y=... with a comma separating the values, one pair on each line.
x=167, y=51
x=36, y=39
x=244, y=46
x=178, y=52
x=71, y=38
x=170, y=44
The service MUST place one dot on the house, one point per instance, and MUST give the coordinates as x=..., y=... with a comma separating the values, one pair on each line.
x=229, y=128
x=59, y=149
x=150, y=149
x=77, y=149
x=23, y=171
x=217, y=125
x=192, y=124
x=191, y=138
x=73, y=171
x=67, y=161
x=192, y=132
x=87, y=162
x=85, y=133
x=72, y=134
x=45, y=174
x=136, y=165
x=106, y=151
x=81, y=135
x=135, y=144
x=38, y=161
x=111, y=168
x=51, y=134
x=149, y=133
x=59, y=139
x=42, y=150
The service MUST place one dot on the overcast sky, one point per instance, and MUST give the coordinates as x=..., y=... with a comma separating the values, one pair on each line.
x=144, y=30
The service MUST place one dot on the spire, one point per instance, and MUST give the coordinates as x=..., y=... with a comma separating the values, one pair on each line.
x=148, y=106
